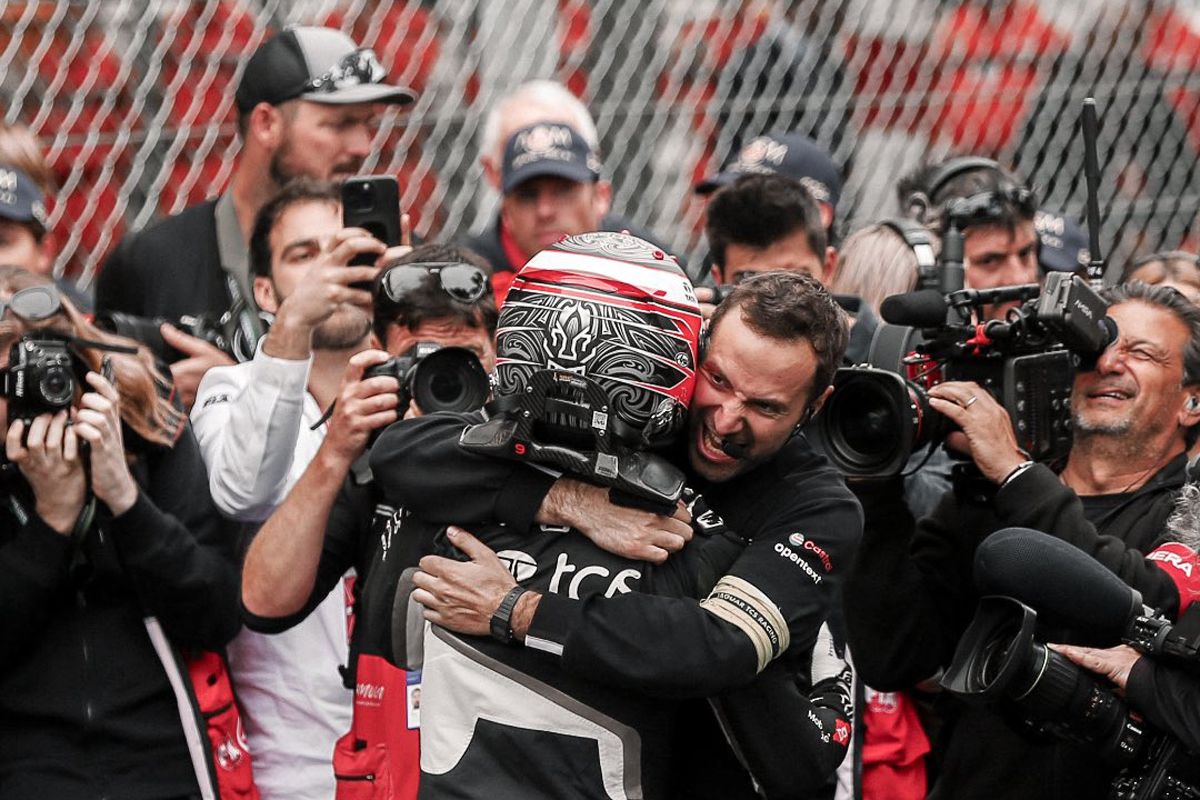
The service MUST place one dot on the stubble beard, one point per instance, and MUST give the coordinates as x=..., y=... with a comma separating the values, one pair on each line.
x=345, y=328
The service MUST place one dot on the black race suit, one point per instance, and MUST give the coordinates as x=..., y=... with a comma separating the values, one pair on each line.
x=803, y=525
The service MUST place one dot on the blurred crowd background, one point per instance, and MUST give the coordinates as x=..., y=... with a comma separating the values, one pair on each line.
x=133, y=99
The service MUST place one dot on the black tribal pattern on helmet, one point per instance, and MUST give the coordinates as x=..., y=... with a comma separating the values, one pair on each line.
x=606, y=308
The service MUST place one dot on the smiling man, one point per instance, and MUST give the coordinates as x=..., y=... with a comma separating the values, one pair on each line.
x=1134, y=415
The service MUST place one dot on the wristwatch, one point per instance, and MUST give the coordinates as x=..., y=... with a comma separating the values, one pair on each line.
x=501, y=627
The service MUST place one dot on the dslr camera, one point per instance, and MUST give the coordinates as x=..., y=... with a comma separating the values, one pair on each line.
x=438, y=378
x=230, y=333
x=43, y=376
x=879, y=413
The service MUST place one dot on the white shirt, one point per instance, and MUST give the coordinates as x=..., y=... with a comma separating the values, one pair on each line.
x=253, y=422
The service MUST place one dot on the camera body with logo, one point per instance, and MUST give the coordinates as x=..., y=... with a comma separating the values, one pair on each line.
x=43, y=376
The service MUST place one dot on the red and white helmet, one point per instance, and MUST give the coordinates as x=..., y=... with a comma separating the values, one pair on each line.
x=612, y=308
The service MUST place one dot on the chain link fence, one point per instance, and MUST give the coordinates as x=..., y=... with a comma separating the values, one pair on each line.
x=132, y=99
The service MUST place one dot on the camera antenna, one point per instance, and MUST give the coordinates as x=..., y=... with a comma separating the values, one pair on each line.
x=1091, y=172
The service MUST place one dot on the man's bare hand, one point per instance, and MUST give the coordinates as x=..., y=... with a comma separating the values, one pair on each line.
x=463, y=595
x=628, y=532
x=1113, y=663
x=362, y=406
x=987, y=433
x=187, y=372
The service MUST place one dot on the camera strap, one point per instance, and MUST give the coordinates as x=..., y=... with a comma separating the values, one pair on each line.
x=233, y=253
x=83, y=523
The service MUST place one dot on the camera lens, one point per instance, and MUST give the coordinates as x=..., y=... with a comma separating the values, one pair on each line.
x=57, y=386
x=447, y=389
x=873, y=422
x=449, y=379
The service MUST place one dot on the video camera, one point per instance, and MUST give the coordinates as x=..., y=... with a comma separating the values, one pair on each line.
x=1002, y=657
x=879, y=412
x=438, y=378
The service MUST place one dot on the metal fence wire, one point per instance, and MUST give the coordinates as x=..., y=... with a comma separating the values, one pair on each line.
x=132, y=99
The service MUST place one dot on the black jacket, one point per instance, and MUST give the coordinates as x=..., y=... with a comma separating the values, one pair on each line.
x=910, y=595
x=86, y=706
x=803, y=524
x=168, y=269
x=1169, y=697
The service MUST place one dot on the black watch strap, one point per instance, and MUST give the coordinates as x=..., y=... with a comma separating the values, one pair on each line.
x=502, y=620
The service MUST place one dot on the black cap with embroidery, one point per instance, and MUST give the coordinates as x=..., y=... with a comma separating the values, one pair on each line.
x=788, y=154
x=321, y=65
x=547, y=148
x=1064, y=242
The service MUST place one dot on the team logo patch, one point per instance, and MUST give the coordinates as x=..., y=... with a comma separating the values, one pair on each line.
x=216, y=398
x=804, y=543
x=521, y=565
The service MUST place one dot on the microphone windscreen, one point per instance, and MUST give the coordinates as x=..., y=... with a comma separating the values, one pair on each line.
x=924, y=309
x=1057, y=579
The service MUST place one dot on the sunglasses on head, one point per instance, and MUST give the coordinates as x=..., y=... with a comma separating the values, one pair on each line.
x=462, y=282
x=355, y=69
x=32, y=304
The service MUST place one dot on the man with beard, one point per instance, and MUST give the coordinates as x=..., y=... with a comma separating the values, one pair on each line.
x=307, y=106
x=259, y=426
x=910, y=594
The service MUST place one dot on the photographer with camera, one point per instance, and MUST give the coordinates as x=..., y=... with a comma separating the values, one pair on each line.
x=332, y=518
x=1133, y=416
x=765, y=482
x=115, y=564
x=259, y=424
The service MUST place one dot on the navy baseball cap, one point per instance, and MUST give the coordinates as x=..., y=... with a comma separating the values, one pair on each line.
x=322, y=65
x=1064, y=243
x=788, y=154
x=547, y=148
x=21, y=200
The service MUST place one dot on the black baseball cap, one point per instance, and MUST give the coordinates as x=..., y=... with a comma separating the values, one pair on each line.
x=788, y=154
x=547, y=148
x=1064, y=242
x=321, y=65
x=21, y=200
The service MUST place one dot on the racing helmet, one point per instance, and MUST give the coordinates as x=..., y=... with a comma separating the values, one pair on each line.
x=615, y=310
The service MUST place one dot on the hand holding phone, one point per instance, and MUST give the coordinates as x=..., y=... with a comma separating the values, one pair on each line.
x=372, y=202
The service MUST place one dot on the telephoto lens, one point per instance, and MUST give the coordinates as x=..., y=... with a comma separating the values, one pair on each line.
x=438, y=378
x=449, y=379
